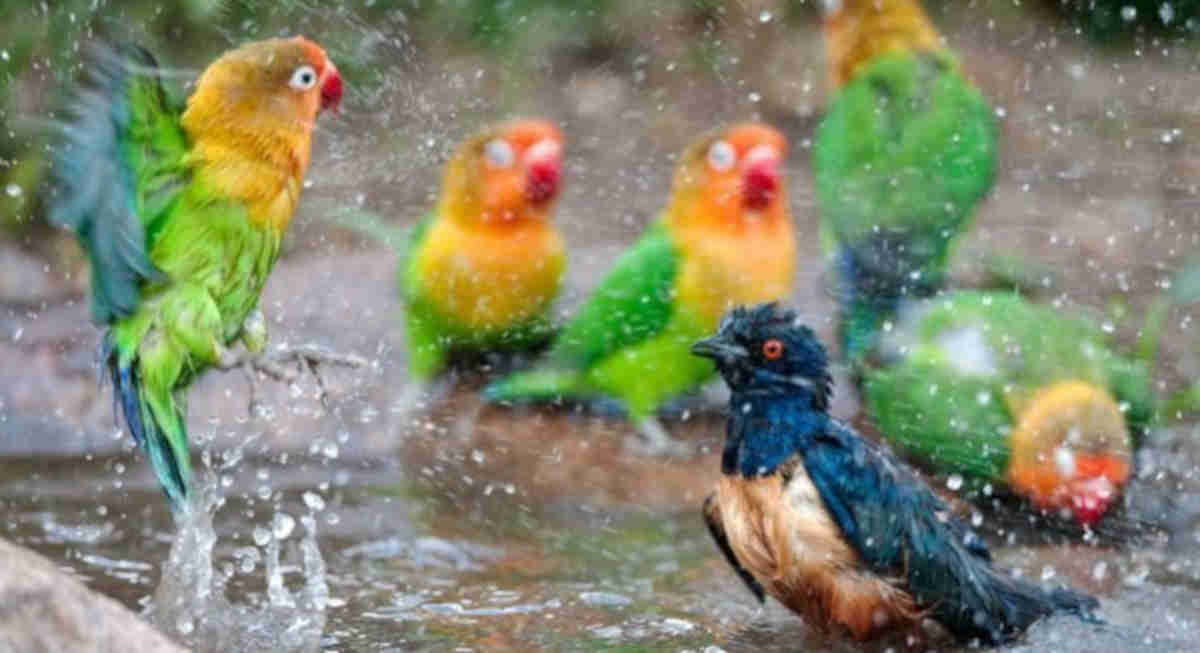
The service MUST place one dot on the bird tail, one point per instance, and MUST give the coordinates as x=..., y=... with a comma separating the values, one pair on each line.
x=874, y=277
x=155, y=421
x=1008, y=606
x=544, y=384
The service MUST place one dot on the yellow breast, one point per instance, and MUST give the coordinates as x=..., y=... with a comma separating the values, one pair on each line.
x=723, y=269
x=492, y=278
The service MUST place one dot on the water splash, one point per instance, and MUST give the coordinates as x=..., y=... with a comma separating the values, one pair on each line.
x=190, y=603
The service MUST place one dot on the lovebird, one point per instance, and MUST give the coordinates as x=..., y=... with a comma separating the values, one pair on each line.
x=725, y=238
x=181, y=210
x=830, y=524
x=482, y=270
x=999, y=390
x=905, y=152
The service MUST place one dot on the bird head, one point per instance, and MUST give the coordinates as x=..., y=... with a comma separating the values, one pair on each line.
x=506, y=173
x=733, y=175
x=271, y=86
x=1071, y=450
x=766, y=349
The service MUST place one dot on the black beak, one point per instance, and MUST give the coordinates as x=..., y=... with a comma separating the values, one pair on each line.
x=720, y=350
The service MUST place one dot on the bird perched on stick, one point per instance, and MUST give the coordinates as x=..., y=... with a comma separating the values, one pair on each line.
x=830, y=524
x=182, y=210
x=725, y=238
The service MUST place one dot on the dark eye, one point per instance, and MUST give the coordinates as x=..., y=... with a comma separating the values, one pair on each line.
x=772, y=349
x=303, y=78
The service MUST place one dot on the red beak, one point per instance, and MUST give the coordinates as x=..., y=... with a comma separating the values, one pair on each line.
x=331, y=88
x=543, y=170
x=760, y=178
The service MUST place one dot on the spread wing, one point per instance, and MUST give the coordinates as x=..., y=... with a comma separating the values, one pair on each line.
x=117, y=172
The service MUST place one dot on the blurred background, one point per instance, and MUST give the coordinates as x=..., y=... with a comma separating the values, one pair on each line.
x=537, y=526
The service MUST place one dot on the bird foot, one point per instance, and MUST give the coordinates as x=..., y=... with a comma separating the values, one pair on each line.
x=286, y=364
x=656, y=442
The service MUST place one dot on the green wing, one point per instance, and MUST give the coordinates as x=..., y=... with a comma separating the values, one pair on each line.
x=409, y=286
x=117, y=174
x=632, y=304
x=905, y=152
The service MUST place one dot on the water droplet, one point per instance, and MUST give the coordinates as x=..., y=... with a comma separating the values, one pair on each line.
x=1166, y=12
x=765, y=17
x=12, y=190
x=314, y=501
x=261, y=536
x=1108, y=327
x=1129, y=13
x=185, y=625
x=955, y=482
x=283, y=525
x=1048, y=572
x=1100, y=570
x=984, y=398
x=754, y=96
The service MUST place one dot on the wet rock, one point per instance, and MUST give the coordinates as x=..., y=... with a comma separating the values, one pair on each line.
x=43, y=609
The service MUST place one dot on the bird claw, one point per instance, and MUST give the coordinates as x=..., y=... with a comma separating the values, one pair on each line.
x=286, y=364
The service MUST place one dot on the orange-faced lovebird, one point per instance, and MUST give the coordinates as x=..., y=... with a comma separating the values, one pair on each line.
x=483, y=268
x=830, y=524
x=182, y=210
x=725, y=238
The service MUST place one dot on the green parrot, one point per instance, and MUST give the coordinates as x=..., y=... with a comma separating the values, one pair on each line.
x=182, y=211
x=630, y=340
x=904, y=153
x=997, y=389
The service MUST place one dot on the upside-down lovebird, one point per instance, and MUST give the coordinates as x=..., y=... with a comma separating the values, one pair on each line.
x=483, y=268
x=905, y=152
x=999, y=390
x=829, y=523
x=725, y=238
x=182, y=210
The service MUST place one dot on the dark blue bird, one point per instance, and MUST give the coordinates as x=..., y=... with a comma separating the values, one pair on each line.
x=830, y=524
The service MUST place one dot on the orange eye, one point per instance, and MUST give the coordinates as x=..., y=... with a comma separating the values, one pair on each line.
x=772, y=349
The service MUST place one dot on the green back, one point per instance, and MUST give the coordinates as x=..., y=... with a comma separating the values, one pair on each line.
x=908, y=146
x=948, y=368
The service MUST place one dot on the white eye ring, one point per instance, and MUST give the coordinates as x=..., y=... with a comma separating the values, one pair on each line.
x=721, y=156
x=499, y=153
x=303, y=78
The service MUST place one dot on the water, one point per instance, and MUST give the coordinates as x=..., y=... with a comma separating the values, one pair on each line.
x=425, y=549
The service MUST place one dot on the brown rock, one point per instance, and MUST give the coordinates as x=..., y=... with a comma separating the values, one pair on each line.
x=44, y=609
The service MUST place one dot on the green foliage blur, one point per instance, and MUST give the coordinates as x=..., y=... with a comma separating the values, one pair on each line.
x=1114, y=21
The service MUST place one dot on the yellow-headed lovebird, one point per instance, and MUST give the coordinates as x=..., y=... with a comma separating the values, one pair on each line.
x=482, y=270
x=182, y=210
x=903, y=155
x=832, y=525
x=998, y=390
x=725, y=238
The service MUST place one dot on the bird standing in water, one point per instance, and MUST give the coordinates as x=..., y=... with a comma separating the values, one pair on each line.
x=482, y=270
x=833, y=526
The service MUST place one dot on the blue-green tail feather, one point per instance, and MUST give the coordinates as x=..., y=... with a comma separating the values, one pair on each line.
x=147, y=432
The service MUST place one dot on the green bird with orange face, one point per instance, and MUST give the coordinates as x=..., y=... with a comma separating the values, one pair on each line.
x=182, y=210
x=482, y=270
